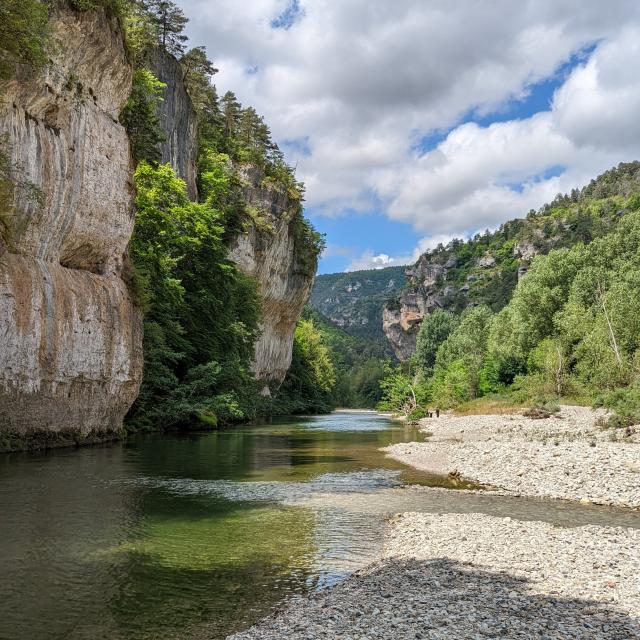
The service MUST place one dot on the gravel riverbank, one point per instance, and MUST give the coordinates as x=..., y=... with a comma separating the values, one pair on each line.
x=474, y=576
x=566, y=456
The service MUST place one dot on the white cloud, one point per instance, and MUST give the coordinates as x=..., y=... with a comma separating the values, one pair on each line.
x=368, y=260
x=361, y=82
x=467, y=182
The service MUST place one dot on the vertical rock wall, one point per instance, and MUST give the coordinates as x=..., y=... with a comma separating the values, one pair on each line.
x=269, y=253
x=70, y=335
x=178, y=120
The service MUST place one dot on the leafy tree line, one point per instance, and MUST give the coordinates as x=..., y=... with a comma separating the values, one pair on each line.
x=331, y=368
x=570, y=330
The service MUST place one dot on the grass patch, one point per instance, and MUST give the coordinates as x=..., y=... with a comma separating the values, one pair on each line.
x=487, y=405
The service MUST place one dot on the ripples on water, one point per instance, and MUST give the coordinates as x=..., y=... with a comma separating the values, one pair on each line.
x=198, y=535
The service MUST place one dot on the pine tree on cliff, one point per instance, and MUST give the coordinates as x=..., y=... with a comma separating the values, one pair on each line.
x=170, y=21
x=198, y=70
x=231, y=109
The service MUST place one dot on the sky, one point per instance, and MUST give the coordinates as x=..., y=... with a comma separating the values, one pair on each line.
x=415, y=121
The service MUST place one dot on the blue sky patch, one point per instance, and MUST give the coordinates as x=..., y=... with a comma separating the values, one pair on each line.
x=357, y=233
x=292, y=14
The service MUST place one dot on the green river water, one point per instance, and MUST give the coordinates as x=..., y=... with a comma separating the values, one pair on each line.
x=199, y=535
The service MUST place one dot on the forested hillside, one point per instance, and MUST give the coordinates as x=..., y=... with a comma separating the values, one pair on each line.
x=568, y=330
x=485, y=269
x=354, y=301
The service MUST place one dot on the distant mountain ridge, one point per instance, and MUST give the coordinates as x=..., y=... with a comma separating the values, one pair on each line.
x=354, y=300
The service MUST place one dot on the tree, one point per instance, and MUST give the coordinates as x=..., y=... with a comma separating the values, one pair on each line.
x=201, y=313
x=140, y=116
x=23, y=33
x=435, y=329
x=169, y=21
x=550, y=361
x=231, y=109
x=398, y=387
x=316, y=353
x=198, y=70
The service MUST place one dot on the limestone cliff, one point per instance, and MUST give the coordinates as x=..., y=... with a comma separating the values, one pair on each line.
x=178, y=119
x=268, y=251
x=271, y=252
x=70, y=335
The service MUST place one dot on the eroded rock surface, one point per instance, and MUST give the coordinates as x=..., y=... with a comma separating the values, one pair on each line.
x=178, y=120
x=270, y=253
x=70, y=335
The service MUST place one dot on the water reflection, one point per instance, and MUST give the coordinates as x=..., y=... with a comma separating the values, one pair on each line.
x=199, y=535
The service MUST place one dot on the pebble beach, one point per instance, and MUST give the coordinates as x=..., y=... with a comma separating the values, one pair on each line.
x=476, y=576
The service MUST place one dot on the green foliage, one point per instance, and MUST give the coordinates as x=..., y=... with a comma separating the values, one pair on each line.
x=113, y=7
x=358, y=364
x=201, y=313
x=311, y=378
x=198, y=70
x=417, y=414
x=625, y=403
x=454, y=384
x=23, y=36
x=570, y=328
x=398, y=385
x=169, y=22
x=434, y=330
x=140, y=116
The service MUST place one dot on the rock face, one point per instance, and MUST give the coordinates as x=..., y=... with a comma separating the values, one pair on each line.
x=70, y=335
x=178, y=120
x=270, y=252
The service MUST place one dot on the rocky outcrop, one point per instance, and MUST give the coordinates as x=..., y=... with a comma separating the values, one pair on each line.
x=178, y=120
x=401, y=320
x=273, y=253
x=268, y=251
x=70, y=334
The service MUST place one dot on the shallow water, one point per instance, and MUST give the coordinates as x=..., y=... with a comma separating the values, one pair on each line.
x=199, y=535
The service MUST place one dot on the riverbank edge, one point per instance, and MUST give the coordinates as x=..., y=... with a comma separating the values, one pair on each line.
x=473, y=575
x=568, y=456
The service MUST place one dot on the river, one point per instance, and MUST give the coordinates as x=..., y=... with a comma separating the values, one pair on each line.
x=198, y=535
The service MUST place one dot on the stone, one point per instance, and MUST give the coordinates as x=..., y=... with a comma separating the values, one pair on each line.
x=178, y=120
x=284, y=272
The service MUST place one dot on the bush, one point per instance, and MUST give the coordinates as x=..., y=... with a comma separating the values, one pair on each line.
x=417, y=414
x=625, y=404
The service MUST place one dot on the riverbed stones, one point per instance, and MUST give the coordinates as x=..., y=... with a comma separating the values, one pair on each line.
x=567, y=456
x=473, y=576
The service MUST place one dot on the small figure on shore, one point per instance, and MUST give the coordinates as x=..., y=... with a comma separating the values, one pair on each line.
x=437, y=412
